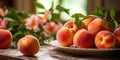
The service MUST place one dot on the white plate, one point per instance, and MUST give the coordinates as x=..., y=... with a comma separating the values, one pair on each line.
x=86, y=51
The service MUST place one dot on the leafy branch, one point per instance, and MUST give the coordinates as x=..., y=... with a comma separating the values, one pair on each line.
x=112, y=15
x=104, y=14
x=55, y=16
x=78, y=19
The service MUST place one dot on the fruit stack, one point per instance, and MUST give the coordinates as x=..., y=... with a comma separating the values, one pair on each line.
x=95, y=33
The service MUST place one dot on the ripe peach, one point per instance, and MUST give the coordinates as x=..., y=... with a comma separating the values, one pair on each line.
x=105, y=39
x=83, y=39
x=88, y=20
x=65, y=36
x=71, y=25
x=5, y=38
x=117, y=35
x=28, y=45
x=97, y=25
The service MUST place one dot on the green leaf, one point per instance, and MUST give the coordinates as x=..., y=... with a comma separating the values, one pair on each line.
x=112, y=13
x=77, y=20
x=11, y=10
x=51, y=8
x=40, y=12
x=12, y=14
x=100, y=12
x=17, y=34
x=60, y=8
x=79, y=24
x=111, y=24
x=66, y=11
x=9, y=19
x=55, y=17
x=78, y=15
x=23, y=15
x=39, y=5
x=118, y=20
x=106, y=14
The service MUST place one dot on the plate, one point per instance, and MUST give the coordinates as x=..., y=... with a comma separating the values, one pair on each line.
x=86, y=51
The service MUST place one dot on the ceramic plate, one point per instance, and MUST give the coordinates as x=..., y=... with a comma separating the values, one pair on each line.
x=86, y=51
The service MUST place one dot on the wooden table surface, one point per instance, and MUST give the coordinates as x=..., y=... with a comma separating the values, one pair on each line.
x=48, y=53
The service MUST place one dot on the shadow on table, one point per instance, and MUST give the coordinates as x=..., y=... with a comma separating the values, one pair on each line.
x=28, y=57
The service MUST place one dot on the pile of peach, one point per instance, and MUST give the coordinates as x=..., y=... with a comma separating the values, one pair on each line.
x=28, y=45
x=95, y=33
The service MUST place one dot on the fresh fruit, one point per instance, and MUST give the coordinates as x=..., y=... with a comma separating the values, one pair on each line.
x=97, y=25
x=65, y=36
x=117, y=35
x=105, y=39
x=28, y=45
x=88, y=20
x=5, y=38
x=83, y=39
x=71, y=25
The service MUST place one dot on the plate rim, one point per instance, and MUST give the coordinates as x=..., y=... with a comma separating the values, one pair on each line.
x=93, y=49
x=91, y=52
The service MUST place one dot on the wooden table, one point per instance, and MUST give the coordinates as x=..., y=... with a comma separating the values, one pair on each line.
x=47, y=53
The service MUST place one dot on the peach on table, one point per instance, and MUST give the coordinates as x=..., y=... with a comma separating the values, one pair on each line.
x=28, y=45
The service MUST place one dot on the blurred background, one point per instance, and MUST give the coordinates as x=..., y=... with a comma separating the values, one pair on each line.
x=82, y=6
x=55, y=14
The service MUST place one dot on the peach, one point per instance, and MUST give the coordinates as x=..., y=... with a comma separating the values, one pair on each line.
x=5, y=38
x=65, y=36
x=28, y=45
x=71, y=25
x=88, y=20
x=83, y=39
x=105, y=39
x=117, y=35
x=97, y=25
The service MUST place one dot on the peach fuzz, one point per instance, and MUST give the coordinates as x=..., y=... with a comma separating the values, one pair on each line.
x=88, y=20
x=5, y=38
x=117, y=35
x=105, y=39
x=97, y=25
x=71, y=25
x=65, y=36
x=83, y=39
x=28, y=45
